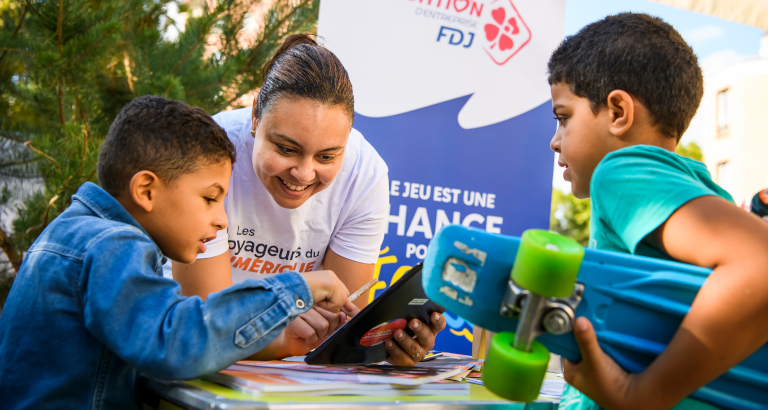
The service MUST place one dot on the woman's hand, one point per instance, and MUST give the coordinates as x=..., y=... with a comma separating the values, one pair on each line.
x=407, y=351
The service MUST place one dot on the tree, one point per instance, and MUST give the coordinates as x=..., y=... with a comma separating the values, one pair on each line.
x=68, y=66
x=570, y=216
x=692, y=151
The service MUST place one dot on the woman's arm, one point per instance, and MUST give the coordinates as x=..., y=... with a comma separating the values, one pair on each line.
x=204, y=276
x=353, y=274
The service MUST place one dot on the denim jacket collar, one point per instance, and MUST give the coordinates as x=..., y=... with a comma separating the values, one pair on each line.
x=105, y=206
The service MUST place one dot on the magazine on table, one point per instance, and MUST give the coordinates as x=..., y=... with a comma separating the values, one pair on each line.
x=270, y=384
x=426, y=378
x=440, y=368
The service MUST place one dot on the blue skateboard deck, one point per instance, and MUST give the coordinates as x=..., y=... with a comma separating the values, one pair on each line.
x=635, y=303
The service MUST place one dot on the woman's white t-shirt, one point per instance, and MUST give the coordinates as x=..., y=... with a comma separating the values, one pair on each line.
x=262, y=238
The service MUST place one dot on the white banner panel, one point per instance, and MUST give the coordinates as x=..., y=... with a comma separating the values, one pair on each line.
x=453, y=94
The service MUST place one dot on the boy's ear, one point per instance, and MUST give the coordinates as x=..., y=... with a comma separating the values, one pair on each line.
x=143, y=189
x=621, y=111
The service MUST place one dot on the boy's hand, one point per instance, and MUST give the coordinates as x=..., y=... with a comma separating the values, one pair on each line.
x=306, y=332
x=597, y=375
x=312, y=328
x=328, y=291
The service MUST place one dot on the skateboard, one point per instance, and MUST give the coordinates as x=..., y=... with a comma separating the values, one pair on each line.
x=537, y=284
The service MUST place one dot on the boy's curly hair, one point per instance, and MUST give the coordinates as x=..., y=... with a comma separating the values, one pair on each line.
x=636, y=53
x=167, y=137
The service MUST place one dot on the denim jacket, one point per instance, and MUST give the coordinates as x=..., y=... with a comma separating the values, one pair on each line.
x=89, y=309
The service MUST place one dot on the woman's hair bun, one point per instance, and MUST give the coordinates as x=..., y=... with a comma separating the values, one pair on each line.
x=290, y=42
x=302, y=68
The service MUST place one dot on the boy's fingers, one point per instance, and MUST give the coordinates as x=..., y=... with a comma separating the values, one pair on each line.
x=350, y=309
x=319, y=323
x=586, y=339
x=330, y=321
x=338, y=299
x=300, y=328
x=332, y=305
x=570, y=370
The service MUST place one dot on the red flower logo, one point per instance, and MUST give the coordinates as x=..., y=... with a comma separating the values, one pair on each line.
x=506, y=33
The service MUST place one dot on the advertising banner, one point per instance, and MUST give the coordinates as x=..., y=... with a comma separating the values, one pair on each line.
x=453, y=95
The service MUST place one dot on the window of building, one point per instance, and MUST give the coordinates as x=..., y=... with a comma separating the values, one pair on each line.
x=723, y=111
x=724, y=175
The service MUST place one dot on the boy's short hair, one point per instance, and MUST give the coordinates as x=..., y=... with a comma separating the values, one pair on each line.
x=636, y=53
x=164, y=136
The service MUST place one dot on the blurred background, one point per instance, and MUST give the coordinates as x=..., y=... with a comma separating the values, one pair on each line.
x=68, y=66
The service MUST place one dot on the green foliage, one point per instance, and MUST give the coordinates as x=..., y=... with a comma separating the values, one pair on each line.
x=67, y=67
x=570, y=216
x=692, y=151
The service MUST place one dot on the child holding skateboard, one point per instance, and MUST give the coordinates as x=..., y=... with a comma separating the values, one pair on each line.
x=624, y=89
x=90, y=308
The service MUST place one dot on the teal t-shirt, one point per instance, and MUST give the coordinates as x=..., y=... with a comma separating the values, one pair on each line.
x=634, y=191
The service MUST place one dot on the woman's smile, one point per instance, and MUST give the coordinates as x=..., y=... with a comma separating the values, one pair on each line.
x=293, y=190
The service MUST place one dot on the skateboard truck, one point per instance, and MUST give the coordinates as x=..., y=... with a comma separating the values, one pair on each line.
x=542, y=294
x=538, y=314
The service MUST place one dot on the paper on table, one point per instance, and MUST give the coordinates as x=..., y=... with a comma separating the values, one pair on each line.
x=427, y=372
x=552, y=389
x=256, y=383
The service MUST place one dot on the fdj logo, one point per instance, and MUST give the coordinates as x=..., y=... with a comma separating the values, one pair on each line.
x=455, y=37
x=505, y=31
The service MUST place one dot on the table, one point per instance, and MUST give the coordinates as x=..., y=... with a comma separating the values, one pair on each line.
x=199, y=394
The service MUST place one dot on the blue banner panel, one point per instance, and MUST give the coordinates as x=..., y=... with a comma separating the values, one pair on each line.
x=497, y=178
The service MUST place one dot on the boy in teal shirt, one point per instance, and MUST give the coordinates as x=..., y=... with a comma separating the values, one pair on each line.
x=624, y=89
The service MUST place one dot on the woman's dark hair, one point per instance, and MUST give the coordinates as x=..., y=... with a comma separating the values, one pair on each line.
x=636, y=53
x=302, y=68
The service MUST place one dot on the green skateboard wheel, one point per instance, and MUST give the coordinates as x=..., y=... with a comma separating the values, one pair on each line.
x=547, y=263
x=514, y=374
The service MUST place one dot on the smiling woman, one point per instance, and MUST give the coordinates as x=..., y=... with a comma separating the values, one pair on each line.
x=307, y=191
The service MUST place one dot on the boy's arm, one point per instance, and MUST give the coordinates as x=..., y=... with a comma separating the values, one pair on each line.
x=726, y=322
x=143, y=318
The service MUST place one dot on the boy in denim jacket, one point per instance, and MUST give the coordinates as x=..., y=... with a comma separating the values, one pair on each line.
x=624, y=89
x=90, y=308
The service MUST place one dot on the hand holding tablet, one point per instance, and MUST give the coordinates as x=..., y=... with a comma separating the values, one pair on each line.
x=394, y=314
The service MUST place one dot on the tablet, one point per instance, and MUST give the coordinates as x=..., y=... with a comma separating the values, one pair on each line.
x=361, y=339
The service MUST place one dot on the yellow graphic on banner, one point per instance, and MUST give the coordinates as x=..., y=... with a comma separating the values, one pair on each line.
x=377, y=270
x=464, y=332
x=402, y=270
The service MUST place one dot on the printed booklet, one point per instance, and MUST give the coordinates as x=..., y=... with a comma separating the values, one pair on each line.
x=287, y=378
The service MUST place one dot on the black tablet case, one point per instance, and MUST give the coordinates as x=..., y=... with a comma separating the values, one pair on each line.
x=343, y=347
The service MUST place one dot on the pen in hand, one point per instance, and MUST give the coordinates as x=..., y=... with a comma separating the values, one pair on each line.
x=362, y=290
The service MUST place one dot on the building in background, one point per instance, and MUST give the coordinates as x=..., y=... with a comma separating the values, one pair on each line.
x=732, y=130
x=729, y=122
